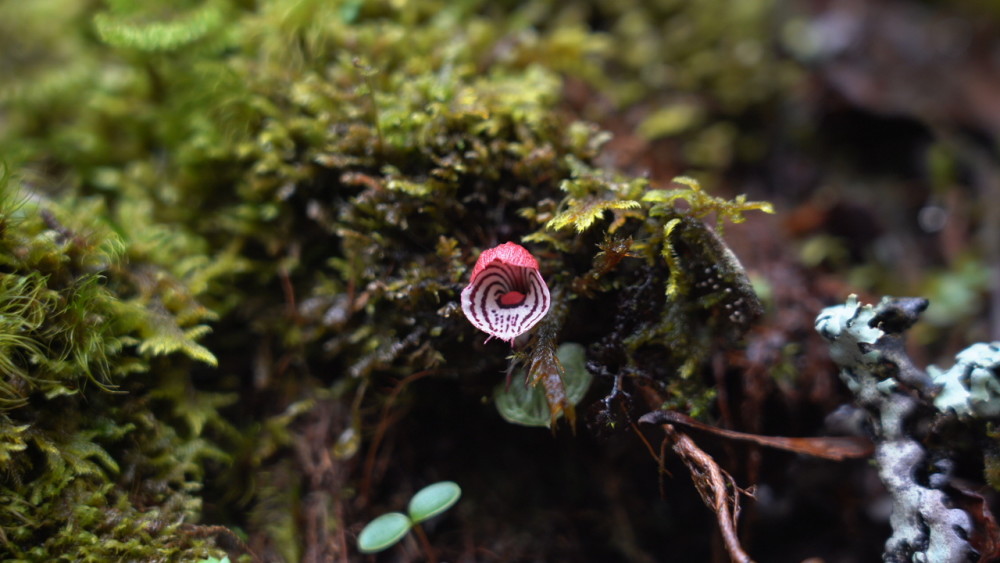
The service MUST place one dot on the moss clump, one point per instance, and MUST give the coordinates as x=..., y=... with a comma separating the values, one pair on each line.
x=89, y=471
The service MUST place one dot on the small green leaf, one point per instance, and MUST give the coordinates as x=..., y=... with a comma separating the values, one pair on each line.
x=527, y=405
x=383, y=532
x=522, y=404
x=433, y=500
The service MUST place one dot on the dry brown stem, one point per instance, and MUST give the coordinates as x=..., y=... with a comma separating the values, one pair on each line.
x=717, y=488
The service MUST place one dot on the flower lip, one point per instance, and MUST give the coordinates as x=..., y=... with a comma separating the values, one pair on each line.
x=506, y=296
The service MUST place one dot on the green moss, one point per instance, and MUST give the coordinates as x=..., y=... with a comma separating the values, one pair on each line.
x=88, y=472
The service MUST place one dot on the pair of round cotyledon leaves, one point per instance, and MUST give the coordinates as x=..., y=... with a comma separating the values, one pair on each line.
x=384, y=531
x=506, y=295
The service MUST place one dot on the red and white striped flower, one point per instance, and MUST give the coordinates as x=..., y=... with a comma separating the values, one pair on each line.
x=506, y=296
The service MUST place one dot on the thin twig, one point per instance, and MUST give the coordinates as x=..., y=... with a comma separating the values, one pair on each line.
x=382, y=428
x=827, y=447
x=660, y=459
x=289, y=291
x=714, y=486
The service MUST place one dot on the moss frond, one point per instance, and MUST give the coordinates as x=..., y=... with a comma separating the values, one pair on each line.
x=133, y=32
x=701, y=204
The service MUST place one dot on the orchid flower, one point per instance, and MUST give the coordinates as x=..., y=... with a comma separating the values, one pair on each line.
x=506, y=295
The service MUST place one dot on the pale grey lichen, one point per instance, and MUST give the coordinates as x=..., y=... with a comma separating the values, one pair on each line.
x=846, y=327
x=972, y=386
x=866, y=342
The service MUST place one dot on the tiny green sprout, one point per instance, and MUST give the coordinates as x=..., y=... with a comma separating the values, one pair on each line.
x=433, y=500
x=225, y=559
x=384, y=531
